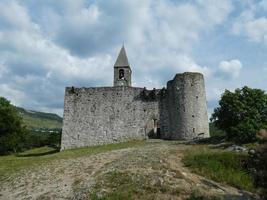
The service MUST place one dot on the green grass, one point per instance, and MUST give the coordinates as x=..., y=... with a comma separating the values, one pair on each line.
x=35, y=157
x=221, y=166
x=37, y=123
x=252, y=145
x=196, y=196
x=121, y=185
x=37, y=120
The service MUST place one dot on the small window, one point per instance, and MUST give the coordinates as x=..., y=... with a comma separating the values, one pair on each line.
x=121, y=74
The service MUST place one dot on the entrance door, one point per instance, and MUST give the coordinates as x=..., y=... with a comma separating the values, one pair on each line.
x=152, y=129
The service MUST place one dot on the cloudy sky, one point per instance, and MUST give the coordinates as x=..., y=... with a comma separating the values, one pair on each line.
x=46, y=45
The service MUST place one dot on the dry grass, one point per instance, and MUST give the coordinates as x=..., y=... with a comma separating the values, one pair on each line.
x=40, y=156
x=136, y=170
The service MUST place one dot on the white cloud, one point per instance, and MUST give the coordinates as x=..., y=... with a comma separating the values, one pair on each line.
x=103, y=25
x=56, y=44
x=154, y=75
x=3, y=70
x=255, y=29
x=34, y=70
x=12, y=94
x=230, y=68
x=215, y=11
x=252, y=26
x=15, y=14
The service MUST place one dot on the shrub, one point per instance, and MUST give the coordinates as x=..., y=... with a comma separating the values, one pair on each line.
x=14, y=137
x=215, y=131
x=41, y=138
x=241, y=114
x=258, y=166
x=244, y=132
x=12, y=133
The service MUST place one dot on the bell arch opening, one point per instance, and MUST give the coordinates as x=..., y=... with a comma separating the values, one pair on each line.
x=121, y=74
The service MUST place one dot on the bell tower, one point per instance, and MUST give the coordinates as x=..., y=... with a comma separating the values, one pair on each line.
x=122, y=70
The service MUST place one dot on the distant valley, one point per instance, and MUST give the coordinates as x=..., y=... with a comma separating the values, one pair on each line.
x=35, y=120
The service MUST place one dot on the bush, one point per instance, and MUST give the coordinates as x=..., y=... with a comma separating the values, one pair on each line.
x=12, y=133
x=41, y=138
x=196, y=196
x=215, y=131
x=241, y=114
x=258, y=166
x=244, y=132
x=14, y=137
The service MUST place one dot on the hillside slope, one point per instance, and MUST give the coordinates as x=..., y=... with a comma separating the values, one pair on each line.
x=40, y=120
x=149, y=170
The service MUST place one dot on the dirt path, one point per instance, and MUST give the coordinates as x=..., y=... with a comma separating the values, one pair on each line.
x=157, y=164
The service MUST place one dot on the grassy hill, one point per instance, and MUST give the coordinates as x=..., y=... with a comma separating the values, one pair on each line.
x=135, y=170
x=40, y=120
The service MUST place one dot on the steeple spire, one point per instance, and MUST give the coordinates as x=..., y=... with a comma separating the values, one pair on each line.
x=122, y=70
x=122, y=60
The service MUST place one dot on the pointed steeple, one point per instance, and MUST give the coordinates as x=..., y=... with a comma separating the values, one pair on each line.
x=122, y=70
x=122, y=60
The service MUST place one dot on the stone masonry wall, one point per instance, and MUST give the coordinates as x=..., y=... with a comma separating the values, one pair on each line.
x=96, y=116
x=187, y=107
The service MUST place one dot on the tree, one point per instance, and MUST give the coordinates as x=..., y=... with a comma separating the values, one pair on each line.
x=12, y=133
x=241, y=113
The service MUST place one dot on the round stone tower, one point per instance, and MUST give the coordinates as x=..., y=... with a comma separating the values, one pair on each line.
x=187, y=108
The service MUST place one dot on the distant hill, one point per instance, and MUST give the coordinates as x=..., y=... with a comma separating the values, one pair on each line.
x=39, y=120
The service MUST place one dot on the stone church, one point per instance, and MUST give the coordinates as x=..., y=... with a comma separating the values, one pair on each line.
x=104, y=115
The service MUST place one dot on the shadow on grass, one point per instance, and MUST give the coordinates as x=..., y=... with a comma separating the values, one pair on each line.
x=38, y=153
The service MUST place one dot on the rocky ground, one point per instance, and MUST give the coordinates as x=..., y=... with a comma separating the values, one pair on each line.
x=151, y=171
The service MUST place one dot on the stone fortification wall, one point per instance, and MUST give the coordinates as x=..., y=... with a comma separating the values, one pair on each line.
x=95, y=116
x=186, y=107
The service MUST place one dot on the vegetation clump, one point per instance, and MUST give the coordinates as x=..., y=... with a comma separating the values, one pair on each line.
x=12, y=132
x=221, y=166
x=196, y=196
x=257, y=164
x=241, y=114
x=124, y=184
x=18, y=129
